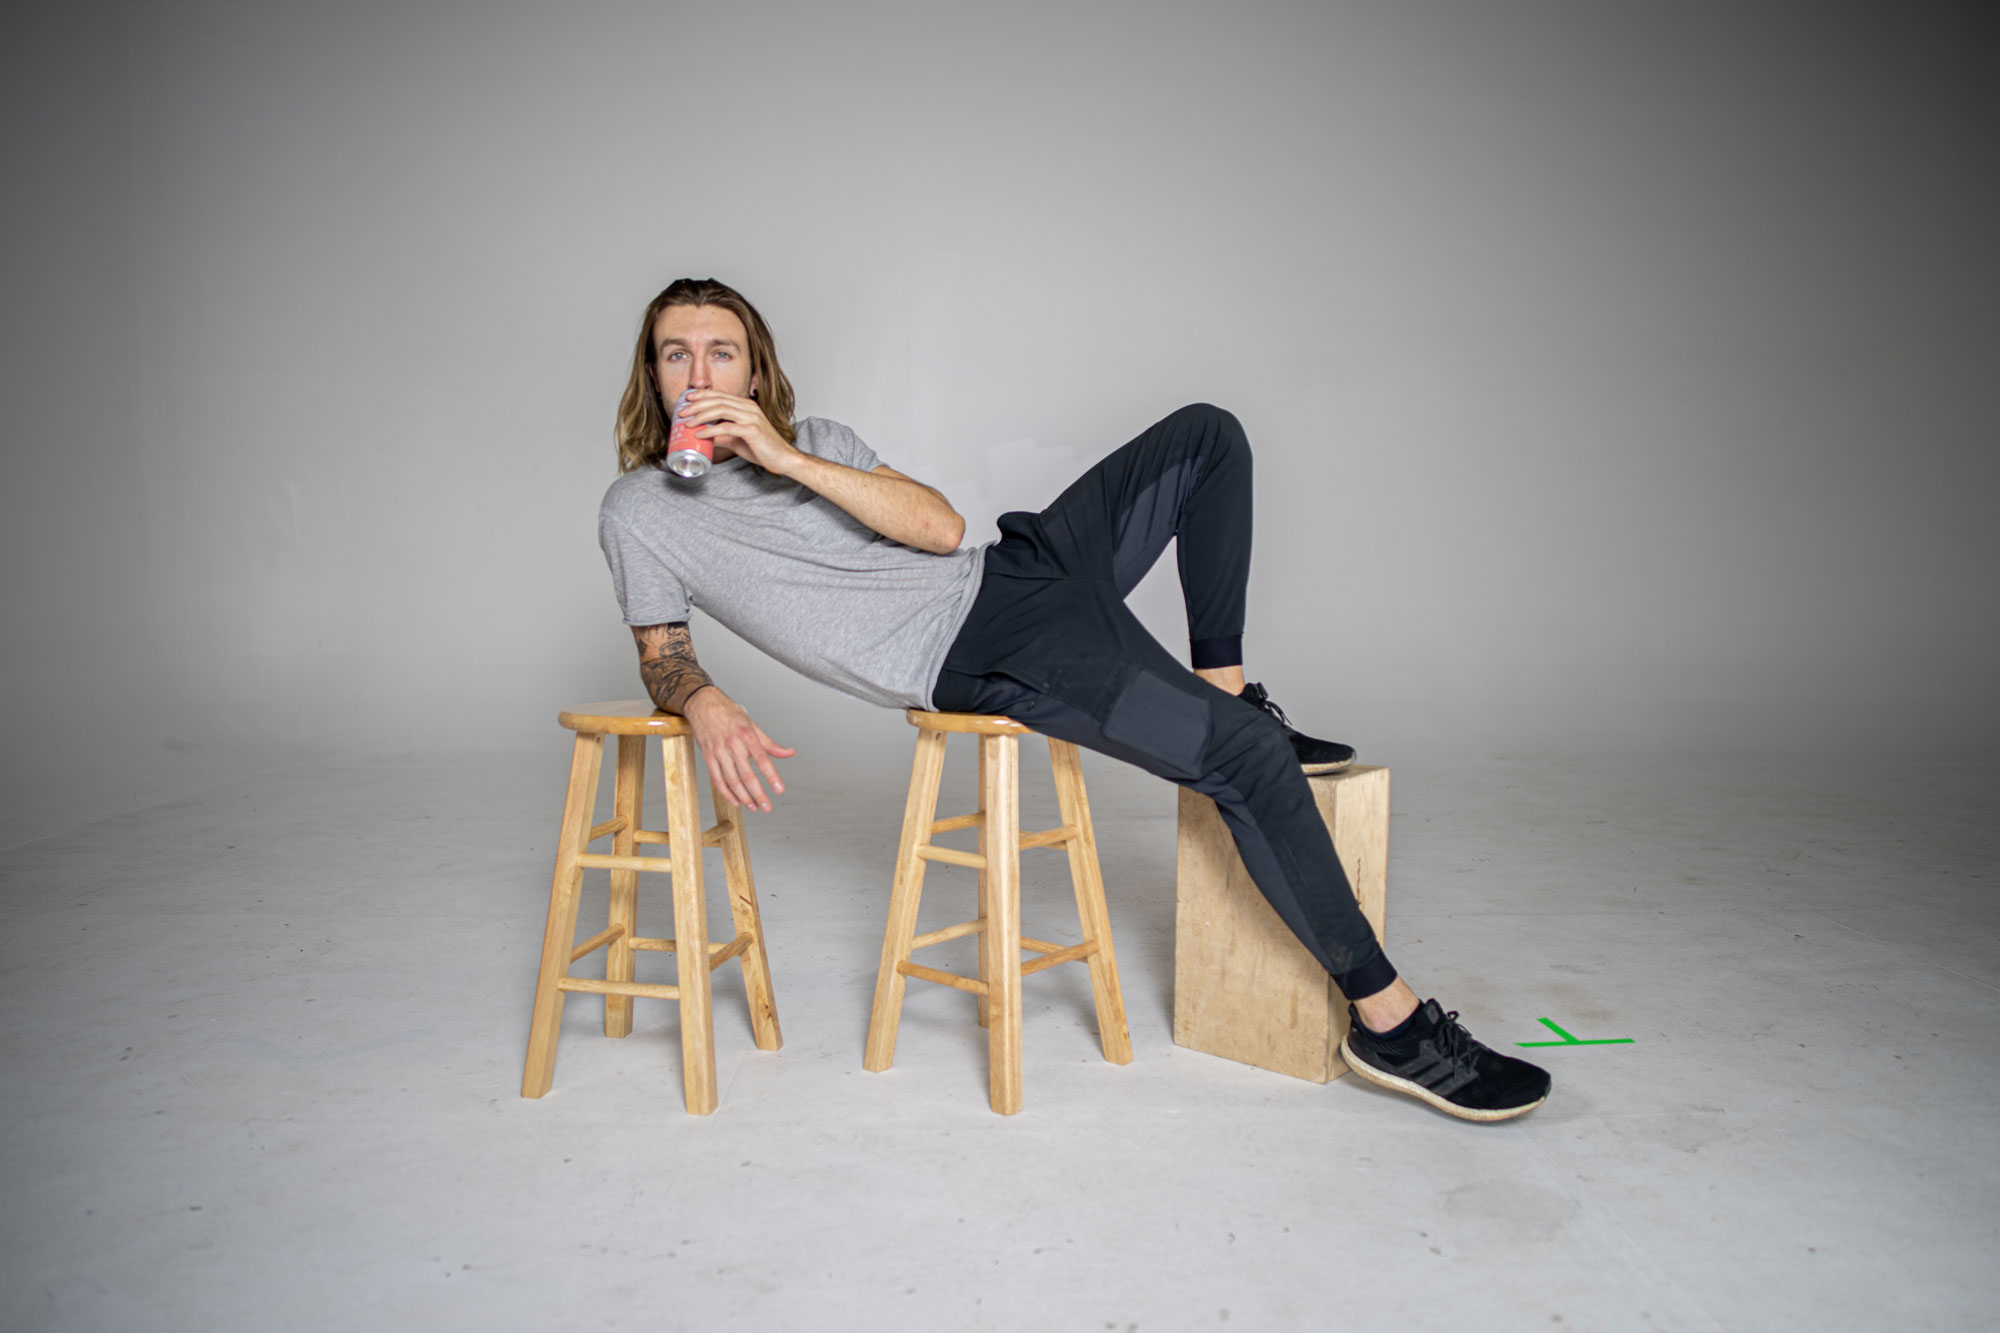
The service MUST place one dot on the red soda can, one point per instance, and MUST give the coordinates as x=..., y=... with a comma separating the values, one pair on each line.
x=688, y=454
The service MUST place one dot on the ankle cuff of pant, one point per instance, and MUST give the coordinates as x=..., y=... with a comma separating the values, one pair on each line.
x=1374, y=975
x=1209, y=654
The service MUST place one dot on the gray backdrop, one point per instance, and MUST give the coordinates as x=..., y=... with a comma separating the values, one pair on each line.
x=1623, y=375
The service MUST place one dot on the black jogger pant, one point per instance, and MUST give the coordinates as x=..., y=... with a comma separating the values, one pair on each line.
x=1050, y=643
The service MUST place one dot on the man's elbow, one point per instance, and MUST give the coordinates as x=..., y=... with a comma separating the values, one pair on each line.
x=937, y=528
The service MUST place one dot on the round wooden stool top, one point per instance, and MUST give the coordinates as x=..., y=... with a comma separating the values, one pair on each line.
x=984, y=724
x=623, y=717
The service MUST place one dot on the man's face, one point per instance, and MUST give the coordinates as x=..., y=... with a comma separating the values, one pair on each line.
x=700, y=347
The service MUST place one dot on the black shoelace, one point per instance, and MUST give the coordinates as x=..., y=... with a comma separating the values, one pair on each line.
x=1263, y=701
x=1454, y=1043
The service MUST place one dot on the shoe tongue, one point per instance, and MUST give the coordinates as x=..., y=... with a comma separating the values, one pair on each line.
x=1431, y=1012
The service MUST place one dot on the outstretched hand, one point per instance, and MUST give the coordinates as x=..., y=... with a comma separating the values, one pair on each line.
x=735, y=747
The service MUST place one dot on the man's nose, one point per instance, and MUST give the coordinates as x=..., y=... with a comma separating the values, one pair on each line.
x=698, y=377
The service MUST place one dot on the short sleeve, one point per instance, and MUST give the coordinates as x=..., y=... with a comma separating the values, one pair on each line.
x=648, y=592
x=838, y=444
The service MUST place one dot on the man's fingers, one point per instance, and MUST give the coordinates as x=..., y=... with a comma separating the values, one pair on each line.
x=725, y=772
x=754, y=796
x=766, y=748
x=721, y=779
x=734, y=758
x=745, y=777
x=770, y=773
x=720, y=408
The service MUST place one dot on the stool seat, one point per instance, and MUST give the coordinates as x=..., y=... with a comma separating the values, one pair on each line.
x=997, y=986
x=631, y=721
x=979, y=724
x=624, y=717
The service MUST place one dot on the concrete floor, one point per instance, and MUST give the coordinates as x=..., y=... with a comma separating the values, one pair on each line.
x=264, y=1051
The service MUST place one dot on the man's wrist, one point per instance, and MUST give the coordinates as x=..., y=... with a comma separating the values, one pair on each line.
x=793, y=464
x=691, y=695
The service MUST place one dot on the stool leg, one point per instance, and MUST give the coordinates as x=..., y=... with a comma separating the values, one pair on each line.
x=743, y=911
x=1001, y=939
x=906, y=892
x=1091, y=911
x=985, y=972
x=627, y=799
x=690, y=924
x=560, y=934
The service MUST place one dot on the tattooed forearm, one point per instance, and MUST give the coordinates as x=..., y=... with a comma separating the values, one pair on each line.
x=667, y=665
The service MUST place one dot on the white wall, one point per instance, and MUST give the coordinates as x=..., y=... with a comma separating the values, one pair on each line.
x=1623, y=375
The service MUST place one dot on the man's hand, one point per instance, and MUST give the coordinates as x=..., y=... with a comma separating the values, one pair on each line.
x=736, y=748
x=739, y=425
x=901, y=508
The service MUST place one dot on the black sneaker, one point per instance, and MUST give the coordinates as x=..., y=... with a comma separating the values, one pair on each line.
x=1315, y=756
x=1439, y=1062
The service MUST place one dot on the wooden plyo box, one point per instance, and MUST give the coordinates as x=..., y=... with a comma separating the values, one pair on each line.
x=1244, y=987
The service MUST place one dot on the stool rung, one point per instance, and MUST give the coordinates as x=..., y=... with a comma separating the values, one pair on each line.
x=718, y=954
x=957, y=932
x=973, y=820
x=711, y=836
x=644, y=990
x=952, y=979
x=651, y=837
x=1069, y=955
x=1048, y=837
x=659, y=865
x=596, y=942
x=953, y=856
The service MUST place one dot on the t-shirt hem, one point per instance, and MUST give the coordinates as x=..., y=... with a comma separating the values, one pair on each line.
x=957, y=623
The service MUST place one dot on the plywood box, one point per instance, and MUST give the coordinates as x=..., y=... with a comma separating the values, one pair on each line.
x=1244, y=987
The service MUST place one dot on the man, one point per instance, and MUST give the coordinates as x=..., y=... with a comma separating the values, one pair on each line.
x=805, y=544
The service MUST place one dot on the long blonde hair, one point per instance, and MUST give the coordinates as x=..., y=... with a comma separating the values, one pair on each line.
x=641, y=432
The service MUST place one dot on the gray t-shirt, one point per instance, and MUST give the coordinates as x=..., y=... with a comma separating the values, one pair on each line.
x=789, y=571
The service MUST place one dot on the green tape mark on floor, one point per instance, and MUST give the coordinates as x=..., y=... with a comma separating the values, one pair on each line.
x=1568, y=1040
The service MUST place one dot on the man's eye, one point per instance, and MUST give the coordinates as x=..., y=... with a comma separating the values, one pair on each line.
x=722, y=356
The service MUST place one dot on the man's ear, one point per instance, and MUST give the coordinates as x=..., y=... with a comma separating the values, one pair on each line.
x=753, y=384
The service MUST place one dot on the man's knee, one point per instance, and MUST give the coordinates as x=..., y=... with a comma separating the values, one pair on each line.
x=1216, y=427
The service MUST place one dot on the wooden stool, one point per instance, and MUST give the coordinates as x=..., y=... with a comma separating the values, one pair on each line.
x=998, y=924
x=631, y=722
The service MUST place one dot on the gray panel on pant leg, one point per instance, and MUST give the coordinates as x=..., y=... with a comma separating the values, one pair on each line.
x=1168, y=724
x=1148, y=526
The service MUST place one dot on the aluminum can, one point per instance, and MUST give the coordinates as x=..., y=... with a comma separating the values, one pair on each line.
x=688, y=454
